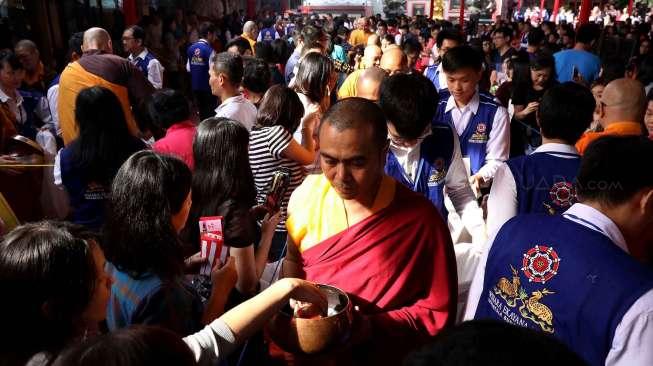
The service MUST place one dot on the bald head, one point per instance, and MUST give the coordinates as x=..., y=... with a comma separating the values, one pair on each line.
x=373, y=40
x=394, y=61
x=97, y=39
x=26, y=44
x=623, y=100
x=368, y=85
x=372, y=56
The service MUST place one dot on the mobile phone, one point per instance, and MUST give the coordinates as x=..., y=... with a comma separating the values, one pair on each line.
x=277, y=188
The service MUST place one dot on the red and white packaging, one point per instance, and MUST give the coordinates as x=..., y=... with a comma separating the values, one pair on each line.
x=212, y=243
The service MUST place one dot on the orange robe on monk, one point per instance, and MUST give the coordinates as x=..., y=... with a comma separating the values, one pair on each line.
x=398, y=265
x=613, y=129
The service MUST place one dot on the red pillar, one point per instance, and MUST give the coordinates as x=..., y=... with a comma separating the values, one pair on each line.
x=519, y=5
x=462, y=16
x=251, y=9
x=584, y=15
x=630, y=7
x=130, y=12
x=556, y=8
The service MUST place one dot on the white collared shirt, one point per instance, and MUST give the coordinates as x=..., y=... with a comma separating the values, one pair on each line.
x=154, y=69
x=502, y=204
x=239, y=109
x=456, y=183
x=498, y=144
x=442, y=77
x=633, y=337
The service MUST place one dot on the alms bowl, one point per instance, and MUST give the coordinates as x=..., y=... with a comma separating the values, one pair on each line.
x=318, y=335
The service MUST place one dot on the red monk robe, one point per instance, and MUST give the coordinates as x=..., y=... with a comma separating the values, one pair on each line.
x=398, y=265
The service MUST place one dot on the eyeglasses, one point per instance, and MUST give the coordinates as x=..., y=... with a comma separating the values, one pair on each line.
x=127, y=38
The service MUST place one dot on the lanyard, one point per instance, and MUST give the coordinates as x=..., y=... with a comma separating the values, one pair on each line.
x=419, y=174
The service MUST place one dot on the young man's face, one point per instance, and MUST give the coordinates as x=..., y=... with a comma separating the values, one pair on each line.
x=129, y=43
x=462, y=84
x=397, y=140
x=500, y=40
x=447, y=44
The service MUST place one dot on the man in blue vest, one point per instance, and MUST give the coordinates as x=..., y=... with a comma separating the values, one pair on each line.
x=426, y=159
x=199, y=56
x=133, y=41
x=482, y=124
x=582, y=276
x=543, y=181
x=268, y=33
x=446, y=40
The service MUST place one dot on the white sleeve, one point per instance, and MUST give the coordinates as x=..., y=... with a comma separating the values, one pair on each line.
x=155, y=74
x=631, y=344
x=498, y=145
x=56, y=172
x=502, y=202
x=188, y=65
x=462, y=196
x=212, y=344
x=276, y=35
x=476, y=287
x=53, y=99
x=42, y=111
x=259, y=38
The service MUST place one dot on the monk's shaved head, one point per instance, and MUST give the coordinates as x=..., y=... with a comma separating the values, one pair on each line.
x=373, y=40
x=368, y=85
x=358, y=113
x=393, y=61
x=27, y=44
x=624, y=100
x=372, y=56
x=97, y=39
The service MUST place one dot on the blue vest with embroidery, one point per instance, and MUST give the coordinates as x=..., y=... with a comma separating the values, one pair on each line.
x=545, y=182
x=436, y=151
x=199, y=54
x=142, y=63
x=473, y=141
x=554, y=275
x=268, y=34
x=87, y=199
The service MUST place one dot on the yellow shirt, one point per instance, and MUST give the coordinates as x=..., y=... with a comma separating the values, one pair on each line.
x=358, y=37
x=348, y=87
x=316, y=212
x=252, y=42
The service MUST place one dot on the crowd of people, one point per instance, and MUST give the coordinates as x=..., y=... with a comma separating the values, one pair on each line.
x=479, y=194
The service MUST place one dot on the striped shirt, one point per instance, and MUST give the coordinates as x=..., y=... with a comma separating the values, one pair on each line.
x=265, y=147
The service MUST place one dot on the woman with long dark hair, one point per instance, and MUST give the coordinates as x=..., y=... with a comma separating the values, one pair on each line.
x=56, y=290
x=223, y=185
x=88, y=165
x=315, y=79
x=150, y=201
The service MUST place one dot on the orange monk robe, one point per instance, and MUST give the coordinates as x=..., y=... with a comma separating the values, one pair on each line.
x=613, y=129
